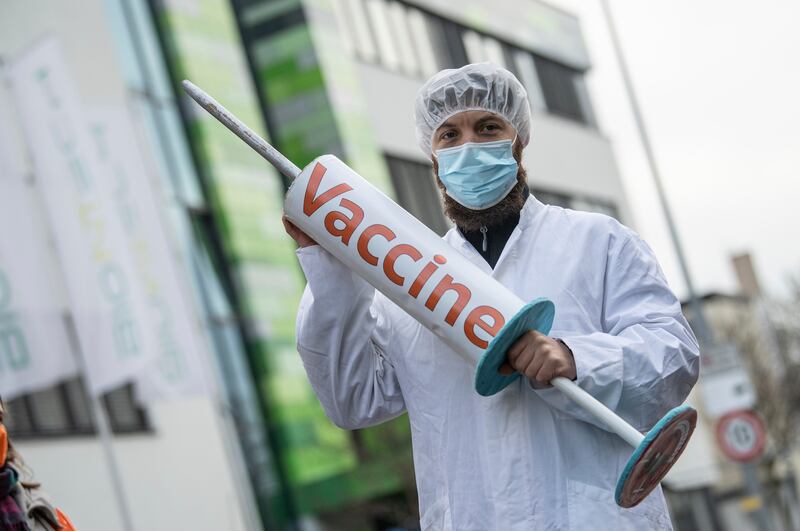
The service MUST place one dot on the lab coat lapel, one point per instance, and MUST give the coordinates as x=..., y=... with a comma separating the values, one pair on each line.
x=510, y=252
x=529, y=212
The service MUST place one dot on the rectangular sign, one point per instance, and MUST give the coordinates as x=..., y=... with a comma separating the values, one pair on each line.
x=724, y=381
x=179, y=366
x=726, y=391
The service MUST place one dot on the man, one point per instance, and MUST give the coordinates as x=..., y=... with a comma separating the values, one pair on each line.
x=525, y=458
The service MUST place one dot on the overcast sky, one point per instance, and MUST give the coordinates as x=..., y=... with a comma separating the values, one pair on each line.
x=719, y=85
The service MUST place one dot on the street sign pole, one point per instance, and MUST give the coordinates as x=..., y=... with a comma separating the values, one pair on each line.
x=754, y=492
x=700, y=323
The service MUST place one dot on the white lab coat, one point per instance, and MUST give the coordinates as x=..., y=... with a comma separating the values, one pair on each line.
x=525, y=458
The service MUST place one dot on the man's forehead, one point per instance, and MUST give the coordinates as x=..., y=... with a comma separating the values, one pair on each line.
x=470, y=117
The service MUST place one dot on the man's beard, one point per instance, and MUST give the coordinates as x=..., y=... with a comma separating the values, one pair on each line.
x=471, y=220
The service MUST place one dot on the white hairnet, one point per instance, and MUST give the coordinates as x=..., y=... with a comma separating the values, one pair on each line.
x=479, y=86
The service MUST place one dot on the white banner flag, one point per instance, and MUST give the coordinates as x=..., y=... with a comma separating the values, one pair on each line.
x=34, y=349
x=179, y=368
x=112, y=319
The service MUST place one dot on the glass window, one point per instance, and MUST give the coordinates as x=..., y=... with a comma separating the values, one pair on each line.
x=81, y=408
x=508, y=56
x=552, y=198
x=587, y=204
x=64, y=409
x=17, y=419
x=448, y=42
x=454, y=44
x=362, y=37
x=421, y=39
x=417, y=192
x=50, y=411
x=435, y=33
x=473, y=43
x=559, y=89
x=150, y=92
x=595, y=205
x=123, y=412
x=526, y=71
x=494, y=51
x=345, y=25
x=379, y=17
x=584, y=101
x=398, y=17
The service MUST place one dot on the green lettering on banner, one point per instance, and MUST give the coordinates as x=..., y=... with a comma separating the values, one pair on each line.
x=42, y=76
x=14, y=352
x=112, y=281
x=5, y=292
x=115, y=290
x=171, y=363
x=79, y=174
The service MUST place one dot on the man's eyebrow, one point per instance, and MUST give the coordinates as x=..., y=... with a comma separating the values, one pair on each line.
x=446, y=124
x=490, y=118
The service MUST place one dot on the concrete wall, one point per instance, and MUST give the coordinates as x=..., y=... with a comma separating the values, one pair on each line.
x=176, y=477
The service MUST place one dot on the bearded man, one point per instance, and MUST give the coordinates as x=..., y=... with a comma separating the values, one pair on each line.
x=526, y=458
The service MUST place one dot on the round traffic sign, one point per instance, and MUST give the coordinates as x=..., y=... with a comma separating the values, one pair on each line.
x=741, y=435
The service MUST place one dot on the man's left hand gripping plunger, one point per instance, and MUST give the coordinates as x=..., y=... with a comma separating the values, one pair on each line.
x=539, y=358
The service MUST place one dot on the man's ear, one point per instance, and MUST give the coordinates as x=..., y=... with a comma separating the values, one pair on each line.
x=516, y=150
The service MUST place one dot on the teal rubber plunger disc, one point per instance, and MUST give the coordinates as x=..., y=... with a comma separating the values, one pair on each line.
x=537, y=315
x=655, y=455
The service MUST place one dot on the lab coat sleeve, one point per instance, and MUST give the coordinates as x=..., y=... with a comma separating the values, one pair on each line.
x=646, y=359
x=343, y=338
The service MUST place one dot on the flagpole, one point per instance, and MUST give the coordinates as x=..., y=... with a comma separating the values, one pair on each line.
x=700, y=322
x=104, y=433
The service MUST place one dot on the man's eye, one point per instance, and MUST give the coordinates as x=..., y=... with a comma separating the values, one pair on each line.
x=491, y=128
x=448, y=135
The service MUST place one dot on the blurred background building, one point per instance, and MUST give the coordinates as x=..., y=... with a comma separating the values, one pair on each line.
x=251, y=446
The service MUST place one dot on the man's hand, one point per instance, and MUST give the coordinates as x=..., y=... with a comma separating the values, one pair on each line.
x=302, y=239
x=540, y=358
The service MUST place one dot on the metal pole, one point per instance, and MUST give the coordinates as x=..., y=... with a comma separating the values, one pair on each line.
x=105, y=436
x=701, y=324
x=753, y=489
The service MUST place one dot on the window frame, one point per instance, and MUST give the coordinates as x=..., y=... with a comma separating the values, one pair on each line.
x=74, y=428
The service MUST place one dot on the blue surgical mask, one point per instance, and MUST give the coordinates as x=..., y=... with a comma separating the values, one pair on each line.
x=478, y=175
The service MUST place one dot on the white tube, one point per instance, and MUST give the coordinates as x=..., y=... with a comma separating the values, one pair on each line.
x=628, y=433
x=237, y=127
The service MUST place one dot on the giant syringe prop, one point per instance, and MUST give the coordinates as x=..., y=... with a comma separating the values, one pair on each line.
x=473, y=313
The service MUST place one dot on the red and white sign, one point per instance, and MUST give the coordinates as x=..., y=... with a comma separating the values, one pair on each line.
x=741, y=435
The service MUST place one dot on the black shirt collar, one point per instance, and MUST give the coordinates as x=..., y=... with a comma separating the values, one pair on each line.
x=493, y=238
